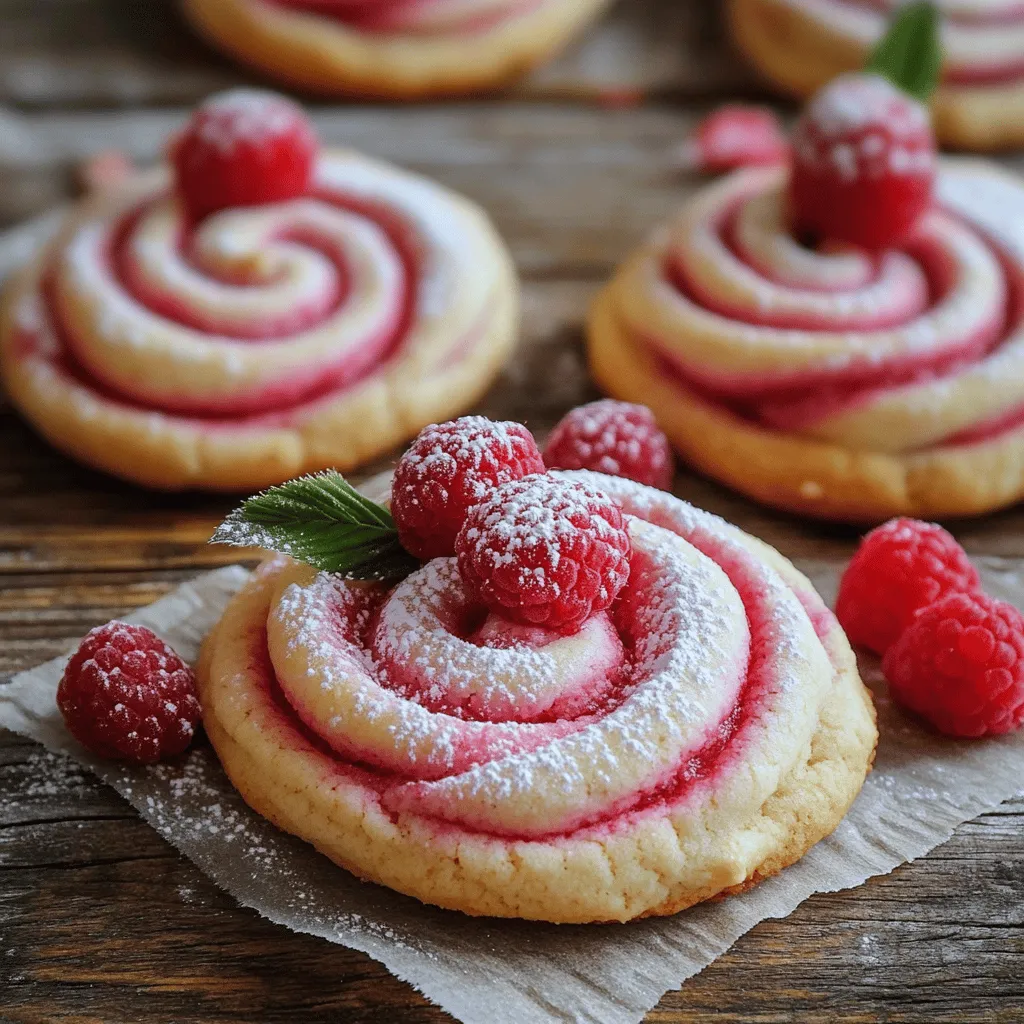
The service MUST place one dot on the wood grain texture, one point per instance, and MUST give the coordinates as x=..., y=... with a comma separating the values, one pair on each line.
x=100, y=920
x=123, y=53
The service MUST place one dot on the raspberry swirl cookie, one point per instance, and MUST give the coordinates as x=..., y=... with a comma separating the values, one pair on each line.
x=392, y=48
x=801, y=44
x=831, y=382
x=696, y=735
x=318, y=328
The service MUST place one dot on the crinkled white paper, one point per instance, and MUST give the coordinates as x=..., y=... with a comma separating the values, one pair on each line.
x=483, y=970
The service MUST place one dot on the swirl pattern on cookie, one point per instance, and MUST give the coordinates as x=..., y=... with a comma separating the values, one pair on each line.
x=801, y=44
x=702, y=734
x=397, y=48
x=415, y=16
x=831, y=382
x=265, y=341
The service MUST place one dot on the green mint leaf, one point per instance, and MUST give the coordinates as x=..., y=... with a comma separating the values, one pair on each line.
x=910, y=55
x=324, y=521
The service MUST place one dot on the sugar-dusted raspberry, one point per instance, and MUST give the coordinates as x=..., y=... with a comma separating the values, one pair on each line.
x=899, y=568
x=545, y=551
x=611, y=437
x=960, y=665
x=127, y=696
x=243, y=147
x=863, y=163
x=449, y=467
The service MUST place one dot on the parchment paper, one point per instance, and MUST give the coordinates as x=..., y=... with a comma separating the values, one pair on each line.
x=483, y=971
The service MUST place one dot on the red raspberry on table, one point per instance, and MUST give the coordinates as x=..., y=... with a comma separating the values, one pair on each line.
x=898, y=569
x=127, y=696
x=612, y=437
x=863, y=163
x=960, y=665
x=449, y=467
x=545, y=551
x=243, y=147
x=735, y=135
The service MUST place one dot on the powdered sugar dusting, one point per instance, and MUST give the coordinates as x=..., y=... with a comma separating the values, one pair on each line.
x=545, y=552
x=188, y=803
x=535, y=513
x=418, y=690
x=246, y=116
x=417, y=648
x=53, y=775
x=338, y=689
x=617, y=438
x=451, y=467
x=479, y=447
x=860, y=124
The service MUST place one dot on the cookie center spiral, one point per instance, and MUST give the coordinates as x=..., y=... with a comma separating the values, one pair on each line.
x=499, y=671
x=919, y=346
x=462, y=718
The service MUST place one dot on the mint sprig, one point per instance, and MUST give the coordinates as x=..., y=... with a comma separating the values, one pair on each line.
x=324, y=521
x=910, y=54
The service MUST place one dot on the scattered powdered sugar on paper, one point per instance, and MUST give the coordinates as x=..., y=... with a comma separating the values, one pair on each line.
x=485, y=970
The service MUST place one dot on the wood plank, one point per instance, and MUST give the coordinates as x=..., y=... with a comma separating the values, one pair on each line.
x=122, y=53
x=73, y=857
x=539, y=170
x=571, y=188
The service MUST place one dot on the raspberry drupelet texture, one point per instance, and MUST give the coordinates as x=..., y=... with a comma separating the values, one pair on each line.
x=449, y=467
x=243, y=147
x=864, y=163
x=127, y=696
x=617, y=438
x=898, y=569
x=545, y=551
x=960, y=665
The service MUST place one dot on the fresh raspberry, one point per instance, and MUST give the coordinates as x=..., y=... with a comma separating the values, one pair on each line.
x=449, y=467
x=735, y=135
x=863, y=163
x=545, y=551
x=612, y=437
x=127, y=696
x=960, y=665
x=898, y=569
x=243, y=147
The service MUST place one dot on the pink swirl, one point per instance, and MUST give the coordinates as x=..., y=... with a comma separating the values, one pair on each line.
x=634, y=768
x=918, y=348
x=416, y=16
x=465, y=721
x=983, y=40
x=334, y=284
x=299, y=328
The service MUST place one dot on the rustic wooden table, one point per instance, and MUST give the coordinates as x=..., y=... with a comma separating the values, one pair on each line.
x=100, y=920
